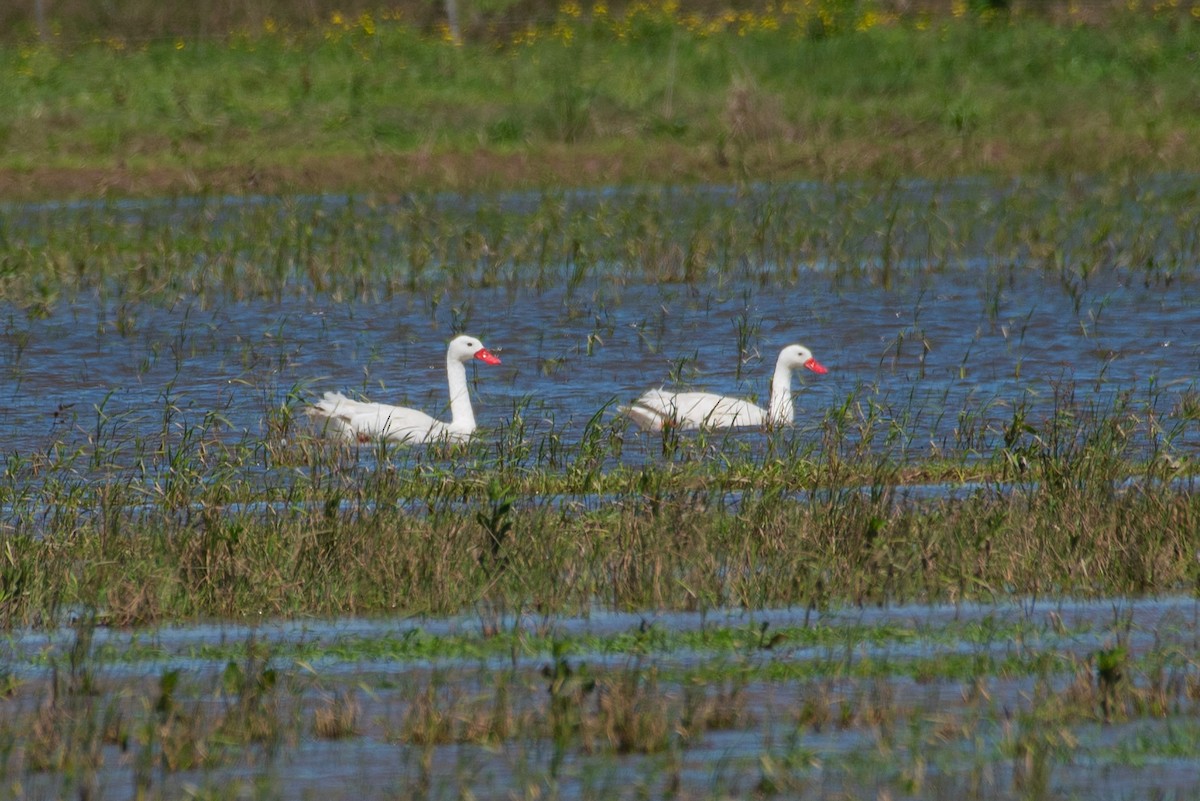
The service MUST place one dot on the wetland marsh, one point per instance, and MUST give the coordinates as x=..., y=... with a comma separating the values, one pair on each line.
x=566, y=606
x=1038, y=699
x=969, y=571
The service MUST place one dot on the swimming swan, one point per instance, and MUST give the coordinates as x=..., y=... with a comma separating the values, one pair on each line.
x=658, y=408
x=364, y=422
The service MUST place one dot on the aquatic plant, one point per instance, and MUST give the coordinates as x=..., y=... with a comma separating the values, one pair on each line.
x=1005, y=697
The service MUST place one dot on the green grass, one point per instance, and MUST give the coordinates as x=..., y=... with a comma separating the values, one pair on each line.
x=339, y=540
x=719, y=642
x=640, y=96
x=872, y=232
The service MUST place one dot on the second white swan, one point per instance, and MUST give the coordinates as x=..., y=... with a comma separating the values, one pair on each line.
x=363, y=422
x=658, y=409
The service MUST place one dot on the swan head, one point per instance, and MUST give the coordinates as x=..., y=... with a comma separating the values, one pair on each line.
x=799, y=356
x=465, y=348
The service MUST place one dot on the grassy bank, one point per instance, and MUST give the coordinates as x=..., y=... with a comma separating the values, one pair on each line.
x=646, y=93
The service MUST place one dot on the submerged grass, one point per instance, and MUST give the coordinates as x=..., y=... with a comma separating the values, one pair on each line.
x=1065, y=509
x=998, y=718
x=108, y=520
x=724, y=645
x=194, y=253
x=159, y=514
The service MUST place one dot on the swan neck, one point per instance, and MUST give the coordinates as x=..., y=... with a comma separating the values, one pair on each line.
x=461, y=415
x=781, y=411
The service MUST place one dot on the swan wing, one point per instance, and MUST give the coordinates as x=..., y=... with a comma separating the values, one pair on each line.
x=364, y=422
x=735, y=413
x=701, y=409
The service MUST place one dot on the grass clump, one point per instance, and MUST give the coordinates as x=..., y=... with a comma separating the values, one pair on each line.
x=340, y=545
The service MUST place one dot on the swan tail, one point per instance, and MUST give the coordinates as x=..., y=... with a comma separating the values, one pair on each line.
x=334, y=410
x=327, y=406
x=643, y=417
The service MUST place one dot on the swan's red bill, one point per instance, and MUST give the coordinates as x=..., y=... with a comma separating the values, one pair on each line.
x=486, y=356
x=816, y=366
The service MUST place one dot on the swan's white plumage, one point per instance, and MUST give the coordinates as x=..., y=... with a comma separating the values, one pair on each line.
x=363, y=422
x=658, y=408
x=359, y=421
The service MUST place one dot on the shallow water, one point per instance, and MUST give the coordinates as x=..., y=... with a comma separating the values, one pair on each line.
x=1140, y=622
x=949, y=352
x=958, y=732
x=978, y=338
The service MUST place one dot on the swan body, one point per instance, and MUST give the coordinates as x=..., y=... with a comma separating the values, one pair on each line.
x=359, y=421
x=658, y=408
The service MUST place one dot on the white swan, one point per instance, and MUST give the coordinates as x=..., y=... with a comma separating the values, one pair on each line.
x=364, y=422
x=659, y=409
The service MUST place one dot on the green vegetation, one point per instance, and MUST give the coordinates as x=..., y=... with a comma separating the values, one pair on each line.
x=378, y=101
x=648, y=640
x=202, y=252
x=992, y=707
x=106, y=522
x=194, y=518
x=198, y=531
